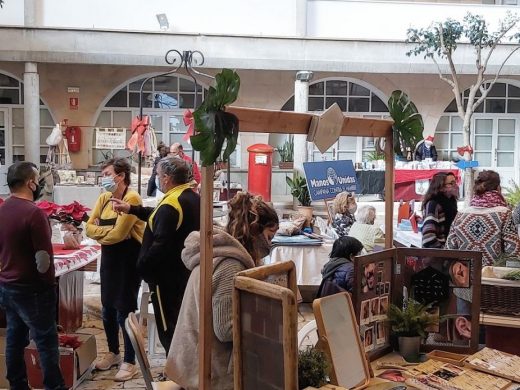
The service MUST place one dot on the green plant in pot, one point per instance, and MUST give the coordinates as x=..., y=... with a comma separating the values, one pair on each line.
x=409, y=324
x=300, y=191
x=286, y=151
x=312, y=368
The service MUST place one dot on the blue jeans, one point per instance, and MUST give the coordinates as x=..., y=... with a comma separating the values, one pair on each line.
x=26, y=311
x=113, y=319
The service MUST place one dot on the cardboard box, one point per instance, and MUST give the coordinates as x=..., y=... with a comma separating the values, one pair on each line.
x=75, y=364
x=4, y=384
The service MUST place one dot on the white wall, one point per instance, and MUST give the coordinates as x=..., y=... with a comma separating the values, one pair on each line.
x=386, y=20
x=348, y=19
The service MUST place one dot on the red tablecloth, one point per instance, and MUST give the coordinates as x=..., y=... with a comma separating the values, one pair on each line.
x=404, y=180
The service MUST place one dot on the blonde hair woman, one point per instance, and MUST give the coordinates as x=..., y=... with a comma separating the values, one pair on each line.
x=344, y=208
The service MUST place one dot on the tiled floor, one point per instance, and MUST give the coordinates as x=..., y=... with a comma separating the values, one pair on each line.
x=93, y=325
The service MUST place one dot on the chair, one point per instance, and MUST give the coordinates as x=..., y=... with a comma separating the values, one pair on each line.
x=146, y=313
x=136, y=338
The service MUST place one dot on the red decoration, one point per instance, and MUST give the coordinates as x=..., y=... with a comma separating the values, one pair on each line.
x=69, y=341
x=188, y=121
x=139, y=126
x=71, y=213
x=462, y=149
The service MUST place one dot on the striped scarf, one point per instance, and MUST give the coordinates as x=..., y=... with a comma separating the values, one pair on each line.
x=488, y=199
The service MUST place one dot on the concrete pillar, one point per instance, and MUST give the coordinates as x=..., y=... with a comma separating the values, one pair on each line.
x=301, y=104
x=31, y=112
x=301, y=18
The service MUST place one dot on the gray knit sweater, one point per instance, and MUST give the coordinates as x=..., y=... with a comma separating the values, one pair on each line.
x=182, y=366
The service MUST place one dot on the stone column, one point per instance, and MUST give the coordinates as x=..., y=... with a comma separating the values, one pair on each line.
x=31, y=113
x=301, y=104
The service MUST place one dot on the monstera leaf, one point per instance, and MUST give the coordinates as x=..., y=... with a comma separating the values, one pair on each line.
x=408, y=124
x=214, y=126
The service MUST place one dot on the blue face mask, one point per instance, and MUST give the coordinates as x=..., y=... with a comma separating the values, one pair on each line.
x=109, y=184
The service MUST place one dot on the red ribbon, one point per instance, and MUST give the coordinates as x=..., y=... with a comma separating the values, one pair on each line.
x=139, y=126
x=188, y=121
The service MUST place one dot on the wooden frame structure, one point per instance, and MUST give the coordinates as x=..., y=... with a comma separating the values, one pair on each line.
x=253, y=120
x=262, y=288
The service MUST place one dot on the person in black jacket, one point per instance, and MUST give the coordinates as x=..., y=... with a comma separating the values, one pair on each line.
x=159, y=263
x=152, y=187
x=338, y=272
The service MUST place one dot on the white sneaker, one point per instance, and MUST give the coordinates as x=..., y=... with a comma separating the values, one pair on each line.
x=108, y=361
x=126, y=372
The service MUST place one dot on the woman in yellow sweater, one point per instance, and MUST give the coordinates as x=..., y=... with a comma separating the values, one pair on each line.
x=120, y=237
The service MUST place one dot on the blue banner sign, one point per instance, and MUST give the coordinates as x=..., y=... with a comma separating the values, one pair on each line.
x=326, y=179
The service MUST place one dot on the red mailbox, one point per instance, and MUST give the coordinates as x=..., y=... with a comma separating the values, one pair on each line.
x=260, y=170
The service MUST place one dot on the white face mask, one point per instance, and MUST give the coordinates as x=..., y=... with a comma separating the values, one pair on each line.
x=158, y=183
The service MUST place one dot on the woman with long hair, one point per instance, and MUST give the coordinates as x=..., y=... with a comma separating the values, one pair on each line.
x=487, y=225
x=439, y=208
x=120, y=236
x=243, y=244
x=344, y=208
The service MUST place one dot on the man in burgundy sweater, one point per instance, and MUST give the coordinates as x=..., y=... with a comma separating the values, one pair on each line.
x=27, y=283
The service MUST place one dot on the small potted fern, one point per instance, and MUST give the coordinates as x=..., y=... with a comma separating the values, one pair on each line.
x=312, y=368
x=300, y=191
x=409, y=324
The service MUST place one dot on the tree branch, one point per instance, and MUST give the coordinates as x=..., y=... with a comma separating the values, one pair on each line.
x=496, y=42
x=442, y=77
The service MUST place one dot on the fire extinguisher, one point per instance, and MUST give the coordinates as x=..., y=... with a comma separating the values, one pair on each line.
x=73, y=135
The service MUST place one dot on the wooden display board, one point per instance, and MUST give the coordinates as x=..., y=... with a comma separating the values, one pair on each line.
x=265, y=328
x=429, y=275
x=339, y=335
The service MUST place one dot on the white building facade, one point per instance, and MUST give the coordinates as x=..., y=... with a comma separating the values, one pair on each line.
x=97, y=52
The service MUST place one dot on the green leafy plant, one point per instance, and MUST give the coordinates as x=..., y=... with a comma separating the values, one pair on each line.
x=512, y=275
x=412, y=320
x=408, y=123
x=375, y=155
x=512, y=194
x=299, y=189
x=216, y=127
x=312, y=368
x=286, y=151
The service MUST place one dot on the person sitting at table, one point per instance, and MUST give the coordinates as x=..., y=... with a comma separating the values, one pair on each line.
x=252, y=224
x=338, y=272
x=344, y=207
x=426, y=149
x=120, y=236
x=364, y=230
x=439, y=208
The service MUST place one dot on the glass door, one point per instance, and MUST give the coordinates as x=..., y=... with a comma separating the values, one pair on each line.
x=495, y=144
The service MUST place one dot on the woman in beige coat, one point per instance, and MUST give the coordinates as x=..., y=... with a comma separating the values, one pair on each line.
x=246, y=240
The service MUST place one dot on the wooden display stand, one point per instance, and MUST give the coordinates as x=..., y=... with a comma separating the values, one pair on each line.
x=265, y=328
x=280, y=122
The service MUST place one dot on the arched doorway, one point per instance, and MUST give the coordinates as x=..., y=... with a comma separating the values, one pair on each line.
x=494, y=131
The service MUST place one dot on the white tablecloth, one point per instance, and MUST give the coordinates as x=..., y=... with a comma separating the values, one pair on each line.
x=309, y=261
x=86, y=195
x=408, y=238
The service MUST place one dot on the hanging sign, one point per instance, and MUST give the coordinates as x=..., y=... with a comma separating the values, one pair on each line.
x=73, y=103
x=110, y=138
x=326, y=179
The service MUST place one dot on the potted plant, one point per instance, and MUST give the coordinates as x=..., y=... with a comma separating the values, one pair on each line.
x=300, y=191
x=312, y=368
x=409, y=324
x=286, y=151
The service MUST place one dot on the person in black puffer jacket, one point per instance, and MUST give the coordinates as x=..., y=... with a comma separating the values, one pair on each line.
x=338, y=273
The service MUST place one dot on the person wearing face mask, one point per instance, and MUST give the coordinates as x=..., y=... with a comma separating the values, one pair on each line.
x=160, y=264
x=243, y=244
x=27, y=282
x=439, y=208
x=426, y=149
x=344, y=208
x=120, y=237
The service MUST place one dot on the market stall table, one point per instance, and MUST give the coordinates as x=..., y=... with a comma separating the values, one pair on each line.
x=69, y=266
x=309, y=260
x=412, y=183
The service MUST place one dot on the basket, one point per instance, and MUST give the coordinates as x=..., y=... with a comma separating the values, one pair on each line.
x=499, y=296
